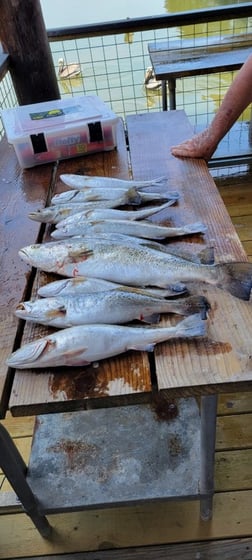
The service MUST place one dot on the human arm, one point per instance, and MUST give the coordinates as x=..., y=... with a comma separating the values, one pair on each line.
x=235, y=101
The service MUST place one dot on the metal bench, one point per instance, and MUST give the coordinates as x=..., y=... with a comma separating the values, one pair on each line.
x=192, y=57
x=207, y=55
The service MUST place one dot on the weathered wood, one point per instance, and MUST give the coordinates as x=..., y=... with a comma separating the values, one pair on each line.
x=219, y=360
x=226, y=550
x=21, y=193
x=24, y=38
x=238, y=199
x=234, y=403
x=166, y=523
x=234, y=432
x=210, y=365
x=117, y=379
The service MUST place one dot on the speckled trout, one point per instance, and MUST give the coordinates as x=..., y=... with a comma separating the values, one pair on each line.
x=97, y=213
x=81, y=345
x=55, y=213
x=82, y=181
x=89, y=194
x=112, y=306
x=135, y=266
x=143, y=229
x=85, y=285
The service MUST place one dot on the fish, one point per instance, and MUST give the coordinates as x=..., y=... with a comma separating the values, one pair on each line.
x=135, y=266
x=98, y=213
x=84, y=284
x=82, y=181
x=143, y=229
x=88, y=194
x=74, y=346
x=205, y=256
x=118, y=306
x=55, y=213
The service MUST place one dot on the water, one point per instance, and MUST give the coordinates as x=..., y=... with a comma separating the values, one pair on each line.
x=81, y=12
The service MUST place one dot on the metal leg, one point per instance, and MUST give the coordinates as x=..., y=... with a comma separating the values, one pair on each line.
x=172, y=93
x=208, y=435
x=15, y=469
x=164, y=95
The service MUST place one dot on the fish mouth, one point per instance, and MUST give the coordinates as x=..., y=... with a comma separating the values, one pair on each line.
x=24, y=254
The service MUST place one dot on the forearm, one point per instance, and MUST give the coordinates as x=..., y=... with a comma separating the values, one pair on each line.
x=237, y=98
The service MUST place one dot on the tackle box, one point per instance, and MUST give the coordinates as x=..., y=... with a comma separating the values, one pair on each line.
x=60, y=129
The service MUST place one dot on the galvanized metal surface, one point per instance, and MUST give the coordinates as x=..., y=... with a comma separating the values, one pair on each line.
x=115, y=456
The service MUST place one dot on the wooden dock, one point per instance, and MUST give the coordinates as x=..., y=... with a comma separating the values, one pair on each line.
x=166, y=530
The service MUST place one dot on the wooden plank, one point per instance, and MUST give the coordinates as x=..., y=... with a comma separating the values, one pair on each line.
x=223, y=358
x=22, y=191
x=234, y=432
x=231, y=549
x=233, y=470
x=151, y=524
x=18, y=427
x=234, y=403
x=24, y=447
x=120, y=378
x=237, y=198
x=243, y=226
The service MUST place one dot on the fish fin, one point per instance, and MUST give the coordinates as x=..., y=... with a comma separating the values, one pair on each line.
x=196, y=304
x=143, y=347
x=61, y=310
x=236, y=278
x=80, y=254
x=75, y=358
x=197, y=227
x=206, y=256
x=191, y=327
x=154, y=318
x=177, y=288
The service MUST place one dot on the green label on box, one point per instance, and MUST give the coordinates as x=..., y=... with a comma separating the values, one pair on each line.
x=46, y=114
x=54, y=113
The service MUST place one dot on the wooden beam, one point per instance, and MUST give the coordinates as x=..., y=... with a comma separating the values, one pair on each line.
x=23, y=36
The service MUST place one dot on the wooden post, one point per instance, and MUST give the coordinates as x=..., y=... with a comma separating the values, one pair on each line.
x=24, y=37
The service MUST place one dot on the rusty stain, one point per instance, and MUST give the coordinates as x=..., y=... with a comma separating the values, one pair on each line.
x=76, y=452
x=78, y=384
x=164, y=407
x=175, y=446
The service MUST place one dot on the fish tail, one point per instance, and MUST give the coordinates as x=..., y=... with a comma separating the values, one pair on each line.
x=197, y=227
x=192, y=326
x=236, y=278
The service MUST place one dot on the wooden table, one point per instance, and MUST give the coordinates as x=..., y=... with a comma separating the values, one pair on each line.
x=183, y=370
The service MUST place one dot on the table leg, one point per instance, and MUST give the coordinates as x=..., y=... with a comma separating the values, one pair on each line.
x=15, y=469
x=207, y=452
x=172, y=93
x=164, y=95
